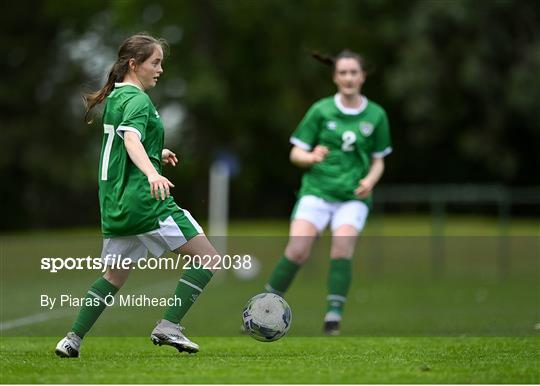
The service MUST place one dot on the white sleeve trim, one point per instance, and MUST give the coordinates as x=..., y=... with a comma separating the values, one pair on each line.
x=301, y=144
x=383, y=153
x=121, y=129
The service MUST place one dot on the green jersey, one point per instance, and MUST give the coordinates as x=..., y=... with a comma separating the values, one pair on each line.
x=352, y=136
x=127, y=208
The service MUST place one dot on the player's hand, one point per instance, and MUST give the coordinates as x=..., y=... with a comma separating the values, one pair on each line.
x=159, y=186
x=168, y=157
x=365, y=186
x=318, y=154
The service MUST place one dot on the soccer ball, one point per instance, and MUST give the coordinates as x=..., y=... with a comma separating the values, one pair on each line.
x=267, y=317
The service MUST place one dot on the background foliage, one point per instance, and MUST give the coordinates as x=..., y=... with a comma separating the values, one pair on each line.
x=459, y=80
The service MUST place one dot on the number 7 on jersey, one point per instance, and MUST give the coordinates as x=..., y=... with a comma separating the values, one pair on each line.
x=108, y=129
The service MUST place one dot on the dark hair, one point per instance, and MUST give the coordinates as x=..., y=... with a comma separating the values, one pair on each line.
x=139, y=47
x=332, y=60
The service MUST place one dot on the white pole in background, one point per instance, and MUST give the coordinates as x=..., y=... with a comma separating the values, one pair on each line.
x=218, y=205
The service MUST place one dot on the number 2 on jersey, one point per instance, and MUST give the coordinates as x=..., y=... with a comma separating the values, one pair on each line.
x=349, y=138
x=109, y=130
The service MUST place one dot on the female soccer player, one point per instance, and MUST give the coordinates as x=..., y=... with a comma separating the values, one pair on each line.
x=342, y=142
x=138, y=214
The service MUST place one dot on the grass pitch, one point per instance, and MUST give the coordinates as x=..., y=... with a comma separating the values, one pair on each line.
x=459, y=308
x=290, y=360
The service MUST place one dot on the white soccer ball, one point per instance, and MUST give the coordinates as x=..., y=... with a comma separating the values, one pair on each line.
x=267, y=317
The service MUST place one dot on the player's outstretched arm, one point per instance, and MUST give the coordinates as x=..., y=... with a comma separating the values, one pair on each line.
x=159, y=185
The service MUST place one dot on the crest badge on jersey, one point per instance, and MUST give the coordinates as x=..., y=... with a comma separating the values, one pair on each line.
x=366, y=128
x=331, y=125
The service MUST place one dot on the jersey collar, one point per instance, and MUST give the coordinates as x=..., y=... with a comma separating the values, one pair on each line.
x=122, y=84
x=349, y=110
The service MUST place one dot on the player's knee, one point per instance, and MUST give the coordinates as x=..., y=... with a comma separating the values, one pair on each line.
x=116, y=277
x=297, y=254
x=341, y=251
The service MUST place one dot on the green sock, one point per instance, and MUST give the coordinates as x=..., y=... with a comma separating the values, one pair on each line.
x=339, y=281
x=282, y=276
x=189, y=287
x=90, y=311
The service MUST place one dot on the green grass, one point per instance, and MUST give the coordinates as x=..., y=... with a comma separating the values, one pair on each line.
x=458, y=308
x=405, y=225
x=290, y=360
x=378, y=225
x=396, y=290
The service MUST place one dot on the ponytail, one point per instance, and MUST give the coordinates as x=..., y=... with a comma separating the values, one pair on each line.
x=92, y=99
x=326, y=59
x=332, y=60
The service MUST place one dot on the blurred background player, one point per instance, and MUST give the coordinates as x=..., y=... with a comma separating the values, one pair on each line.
x=342, y=142
x=138, y=214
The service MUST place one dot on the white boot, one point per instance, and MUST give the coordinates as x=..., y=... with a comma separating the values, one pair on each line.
x=170, y=334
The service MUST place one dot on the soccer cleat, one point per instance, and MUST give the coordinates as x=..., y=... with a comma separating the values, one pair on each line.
x=331, y=328
x=69, y=347
x=170, y=334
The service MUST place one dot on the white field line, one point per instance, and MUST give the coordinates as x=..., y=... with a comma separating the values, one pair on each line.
x=33, y=319
x=156, y=289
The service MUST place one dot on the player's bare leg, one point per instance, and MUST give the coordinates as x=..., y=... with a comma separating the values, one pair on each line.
x=302, y=235
x=343, y=242
x=117, y=276
x=201, y=246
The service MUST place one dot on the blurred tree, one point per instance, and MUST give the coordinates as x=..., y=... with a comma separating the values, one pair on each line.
x=46, y=180
x=465, y=84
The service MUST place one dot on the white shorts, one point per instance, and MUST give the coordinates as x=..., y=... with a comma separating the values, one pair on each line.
x=320, y=212
x=170, y=236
